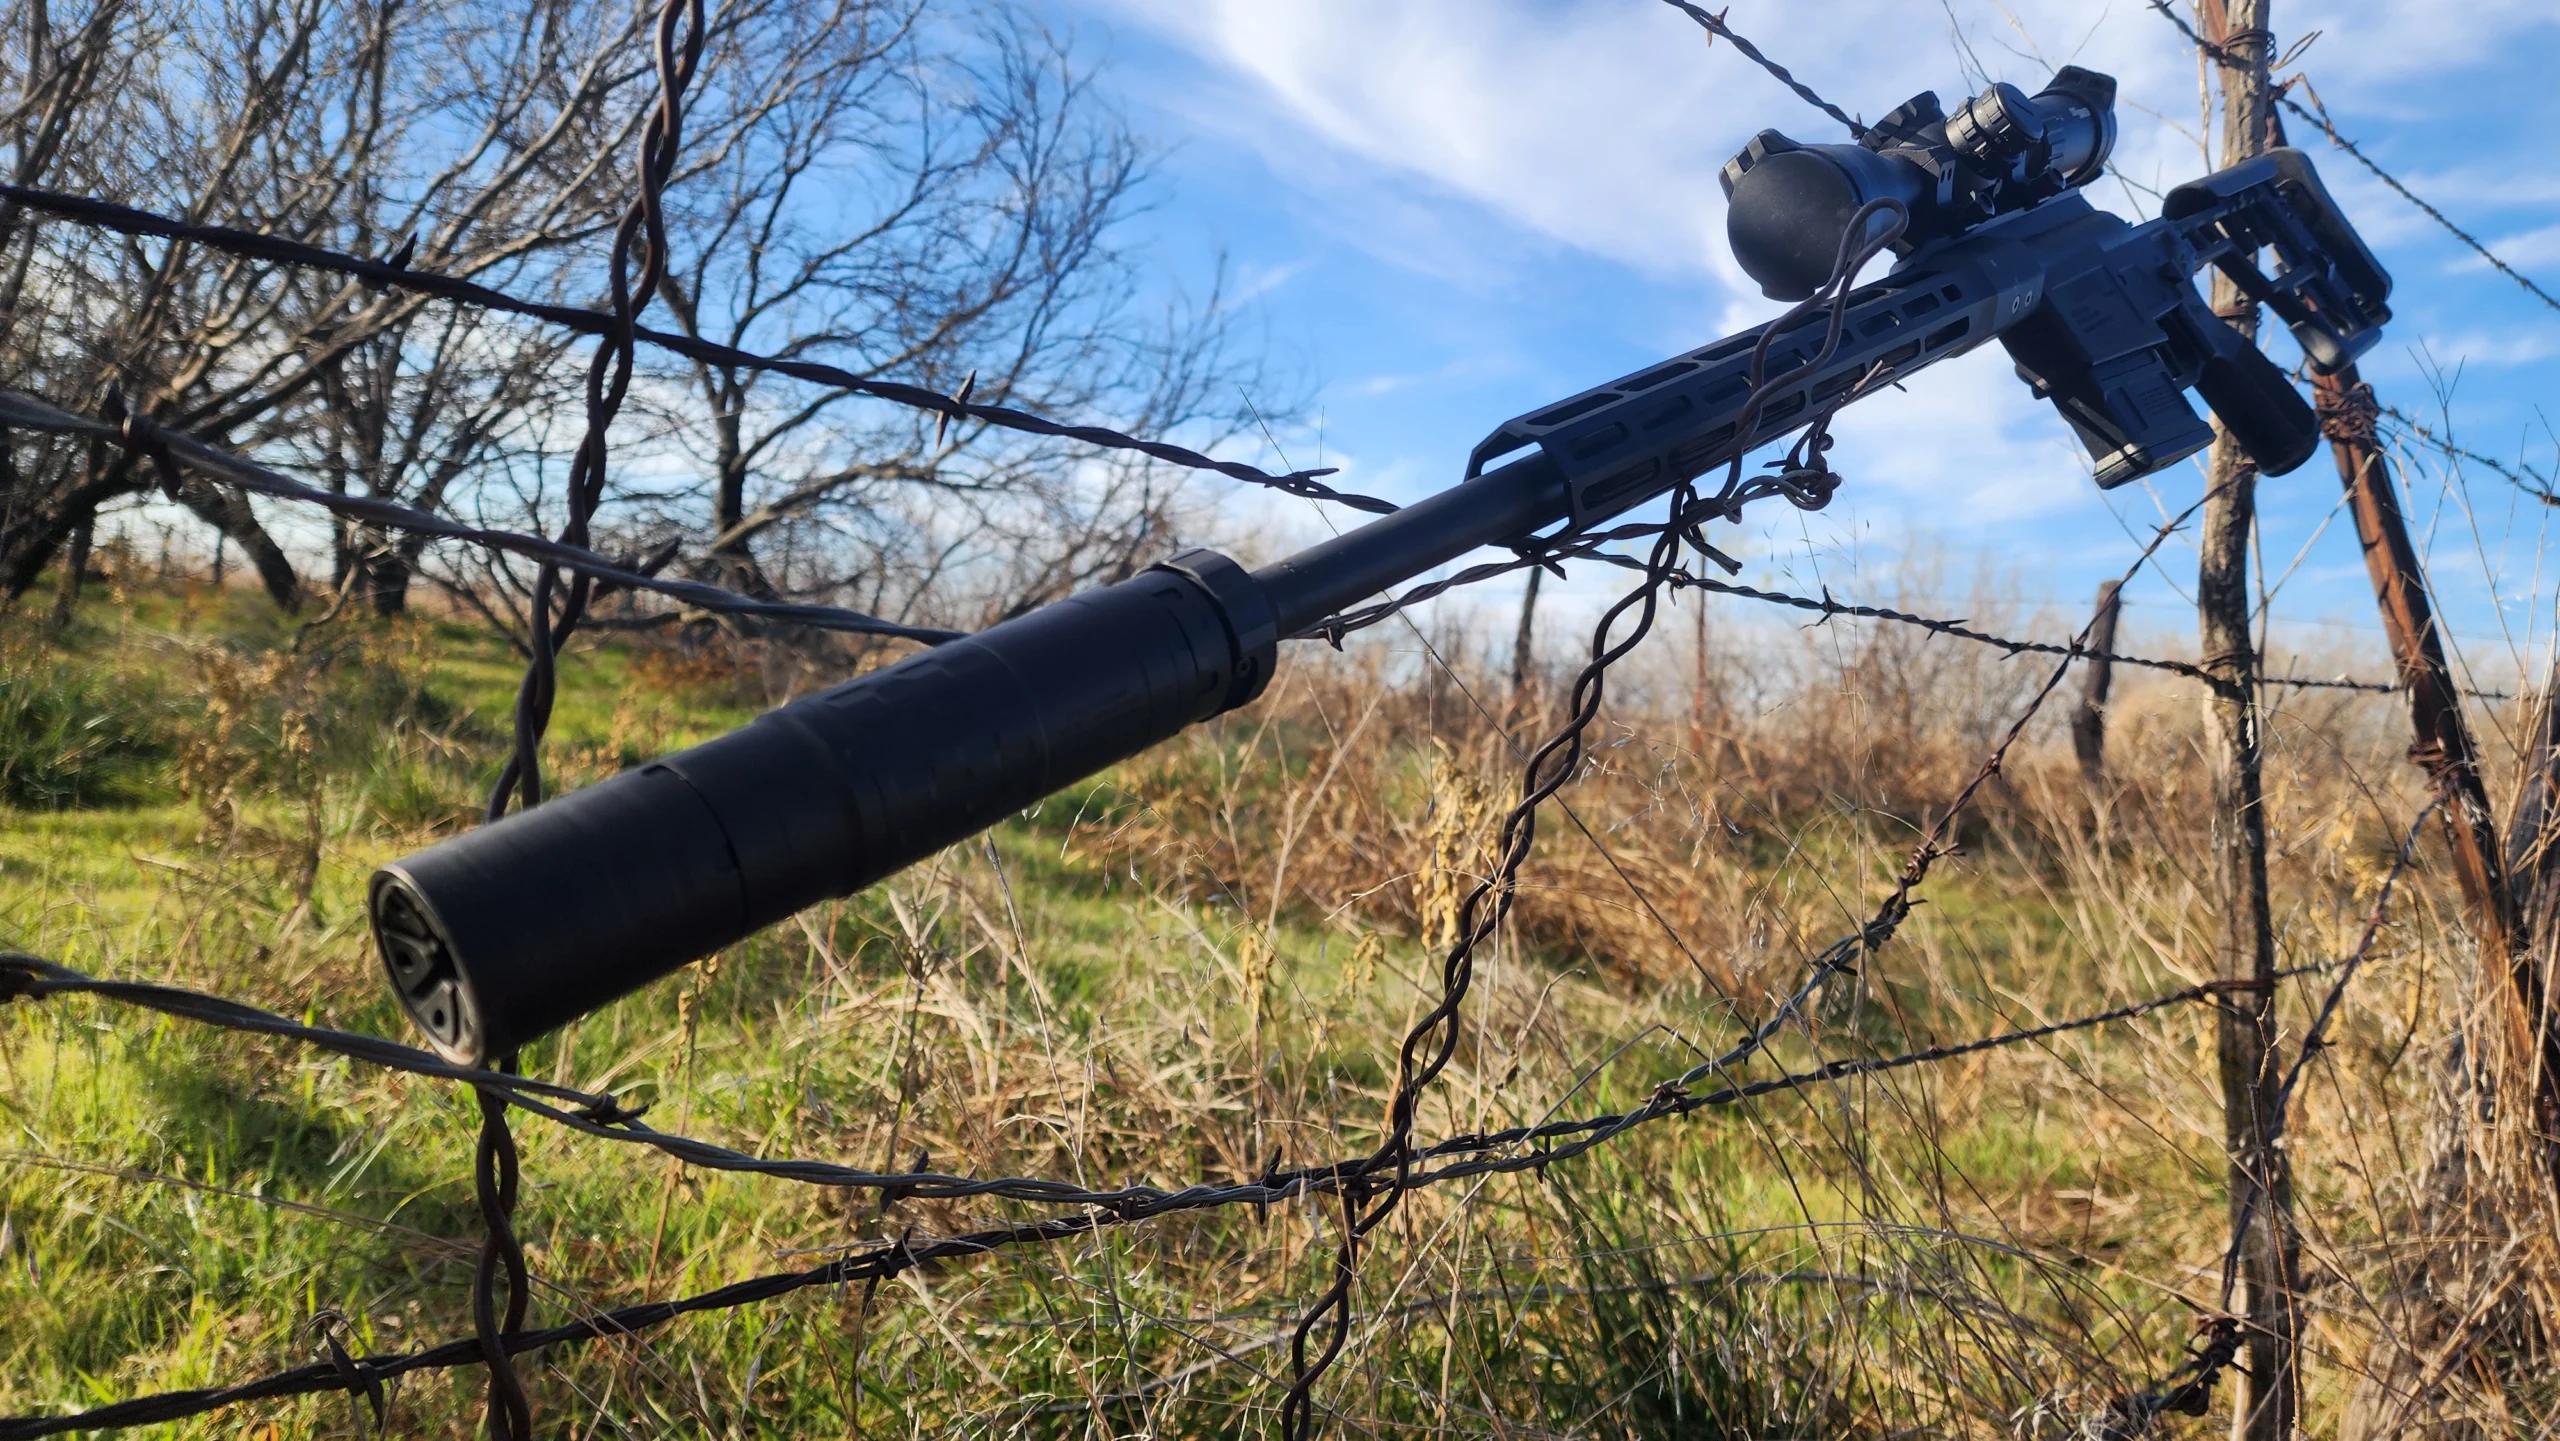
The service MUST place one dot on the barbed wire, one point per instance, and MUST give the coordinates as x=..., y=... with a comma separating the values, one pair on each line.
x=1432, y=1041
x=26, y=977
x=600, y=1114
x=639, y=243
x=2221, y=55
x=399, y=274
x=2319, y=115
x=2523, y=477
x=27, y=412
x=1496, y=1152
x=162, y=445
x=1828, y=606
x=1591, y=546
x=1713, y=23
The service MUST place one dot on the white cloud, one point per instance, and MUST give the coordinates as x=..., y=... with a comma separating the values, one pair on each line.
x=2509, y=345
x=1256, y=281
x=1464, y=366
x=1963, y=443
x=2367, y=44
x=1476, y=141
x=1559, y=119
x=1601, y=125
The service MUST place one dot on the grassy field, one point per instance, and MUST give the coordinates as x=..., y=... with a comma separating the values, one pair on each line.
x=1181, y=969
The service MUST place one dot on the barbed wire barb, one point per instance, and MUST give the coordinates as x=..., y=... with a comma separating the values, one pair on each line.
x=1364, y=1189
x=1520, y=1149
x=126, y=220
x=2318, y=114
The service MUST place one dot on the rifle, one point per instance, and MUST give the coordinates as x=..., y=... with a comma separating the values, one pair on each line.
x=497, y=936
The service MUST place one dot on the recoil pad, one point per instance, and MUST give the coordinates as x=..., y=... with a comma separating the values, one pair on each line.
x=504, y=933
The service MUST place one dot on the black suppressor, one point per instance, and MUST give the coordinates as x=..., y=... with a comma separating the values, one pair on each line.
x=499, y=935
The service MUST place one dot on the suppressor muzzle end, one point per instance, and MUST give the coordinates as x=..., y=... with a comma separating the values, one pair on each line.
x=501, y=935
x=418, y=953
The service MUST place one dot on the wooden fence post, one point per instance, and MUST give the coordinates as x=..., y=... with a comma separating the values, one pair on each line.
x=2261, y=1184
x=2089, y=722
x=1524, y=644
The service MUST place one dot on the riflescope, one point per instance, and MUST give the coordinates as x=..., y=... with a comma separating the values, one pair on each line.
x=2001, y=151
x=500, y=934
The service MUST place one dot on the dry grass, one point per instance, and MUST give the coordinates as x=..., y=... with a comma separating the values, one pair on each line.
x=1203, y=959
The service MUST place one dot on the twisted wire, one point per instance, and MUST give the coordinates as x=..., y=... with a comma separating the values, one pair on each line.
x=1827, y=606
x=1432, y=1041
x=1591, y=545
x=27, y=977
x=494, y=1174
x=1672, y=1097
x=1494, y=1152
x=643, y=231
x=397, y=274
x=1713, y=24
x=2320, y=117
x=168, y=448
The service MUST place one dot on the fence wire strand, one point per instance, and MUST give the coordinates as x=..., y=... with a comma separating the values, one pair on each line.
x=170, y=448
x=570, y=577
x=1591, y=546
x=1432, y=1041
x=387, y=275
x=1714, y=24
x=1510, y=1151
x=2318, y=114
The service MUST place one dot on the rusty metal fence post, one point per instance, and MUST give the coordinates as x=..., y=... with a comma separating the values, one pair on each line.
x=2442, y=740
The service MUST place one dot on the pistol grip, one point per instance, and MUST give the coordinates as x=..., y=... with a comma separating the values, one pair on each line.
x=2257, y=403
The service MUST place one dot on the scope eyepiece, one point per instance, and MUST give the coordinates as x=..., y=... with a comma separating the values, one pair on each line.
x=1790, y=204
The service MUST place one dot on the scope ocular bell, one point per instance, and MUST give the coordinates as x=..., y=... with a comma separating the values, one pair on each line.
x=2002, y=151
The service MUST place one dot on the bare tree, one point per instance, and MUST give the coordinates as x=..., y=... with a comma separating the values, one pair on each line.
x=905, y=194
x=477, y=138
x=895, y=189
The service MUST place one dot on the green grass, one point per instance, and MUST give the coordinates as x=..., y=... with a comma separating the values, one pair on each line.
x=179, y=1204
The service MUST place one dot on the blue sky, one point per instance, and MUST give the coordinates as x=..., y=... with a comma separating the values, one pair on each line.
x=1448, y=212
